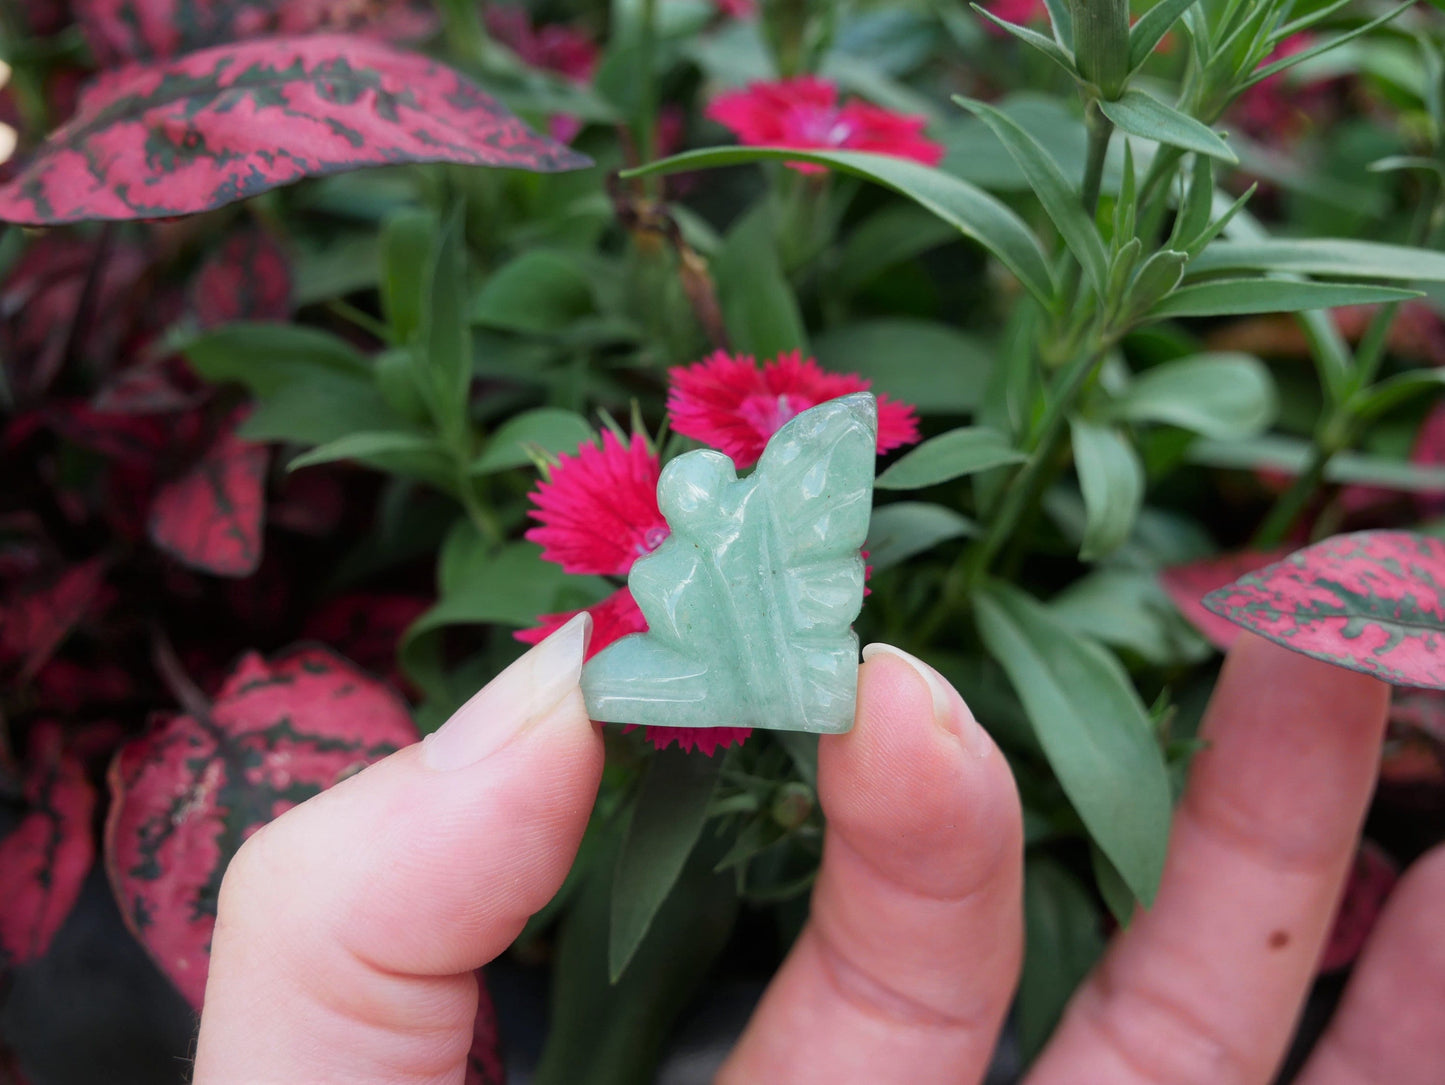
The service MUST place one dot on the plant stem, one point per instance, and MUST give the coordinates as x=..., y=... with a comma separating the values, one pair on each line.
x=1292, y=502
x=1100, y=130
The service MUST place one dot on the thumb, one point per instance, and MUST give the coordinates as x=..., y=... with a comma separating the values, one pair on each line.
x=348, y=929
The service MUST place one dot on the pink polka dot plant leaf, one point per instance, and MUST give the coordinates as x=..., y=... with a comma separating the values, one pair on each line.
x=123, y=30
x=44, y=859
x=1373, y=601
x=211, y=517
x=188, y=792
x=212, y=127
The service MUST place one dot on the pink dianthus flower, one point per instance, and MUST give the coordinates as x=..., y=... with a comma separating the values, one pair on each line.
x=597, y=511
x=733, y=404
x=804, y=112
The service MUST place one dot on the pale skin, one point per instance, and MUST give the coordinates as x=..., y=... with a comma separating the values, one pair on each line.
x=349, y=928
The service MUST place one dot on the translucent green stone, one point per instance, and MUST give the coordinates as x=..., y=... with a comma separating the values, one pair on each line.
x=751, y=598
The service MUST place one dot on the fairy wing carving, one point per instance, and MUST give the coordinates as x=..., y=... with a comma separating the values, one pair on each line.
x=750, y=600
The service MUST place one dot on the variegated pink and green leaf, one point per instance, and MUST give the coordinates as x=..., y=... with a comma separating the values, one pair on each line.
x=213, y=127
x=119, y=31
x=1188, y=584
x=185, y=795
x=1372, y=601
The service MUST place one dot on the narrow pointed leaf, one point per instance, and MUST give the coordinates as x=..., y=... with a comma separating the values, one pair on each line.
x=666, y=823
x=1325, y=46
x=969, y=209
x=750, y=600
x=216, y=126
x=1223, y=396
x=1112, y=479
x=1292, y=455
x=1373, y=601
x=1061, y=21
x=1064, y=58
x=446, y=337
x=190, y=790
x=1149, y=31
x=1059, y=199
x=951, y=455
x=1141, y=115
x=1064, y=938
x=546, y=429
x=1329, y=256
x=904, y=528
x=1093, y=728
x=1156, y=279
x=368, y=446
x=1231, y=297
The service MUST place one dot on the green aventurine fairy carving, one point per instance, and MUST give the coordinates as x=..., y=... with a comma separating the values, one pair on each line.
x=750, y=601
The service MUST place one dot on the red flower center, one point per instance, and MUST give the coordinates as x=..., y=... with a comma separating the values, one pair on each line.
x=767, y=413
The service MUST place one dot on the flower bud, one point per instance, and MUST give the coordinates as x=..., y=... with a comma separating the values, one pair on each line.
x=792, y=805
x=1101, y=44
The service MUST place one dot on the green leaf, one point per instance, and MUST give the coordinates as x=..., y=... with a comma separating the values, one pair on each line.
x=1230, y=297
x=267, y=357
x=485, y=585
x=319, y=407
x=938, y=368
x=408, y=239
x=1059, y=199
x=884, y=240
x=1224, y=395
x=1063, y=938
x=1149, y=31
x=446, y=337
x=1327, y=256
x=1117, y=896
x=547, y=429
x=1140, y=115
x=539, y=292
x=1292, y=455
x=1156, y=280
x=969, y=209
x=1217, y=227
x=605, y=1034
x=759, y=308
x=951, y=455
x=1064, y=58
x=666, y=823
x=904, y=528
x=368, y=446
x=1061, y=21
x=1401, y=388
x=1393, y=163
x=1094, y=730
x=1198, y=206
x=1112, y=480
x=1128, y=609
x=1323, y=47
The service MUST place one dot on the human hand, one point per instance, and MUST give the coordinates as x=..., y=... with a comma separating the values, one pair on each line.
x=349, y=928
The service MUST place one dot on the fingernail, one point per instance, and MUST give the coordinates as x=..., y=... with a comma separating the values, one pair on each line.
x=523, y=693
x=949, y=711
